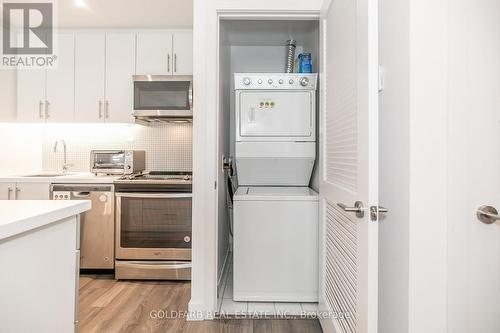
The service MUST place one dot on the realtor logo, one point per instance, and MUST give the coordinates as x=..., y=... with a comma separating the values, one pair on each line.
x=27, y=28
x=27, y=34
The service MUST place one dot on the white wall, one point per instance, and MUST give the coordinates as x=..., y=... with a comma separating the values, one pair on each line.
x=394, y=168
x=428, y=162
x=205, y=157
x=20, y=148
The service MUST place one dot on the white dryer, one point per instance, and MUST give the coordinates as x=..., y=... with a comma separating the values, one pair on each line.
x=275, y=128
x=275, y=244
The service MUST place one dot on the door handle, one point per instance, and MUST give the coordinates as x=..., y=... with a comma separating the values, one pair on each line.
x=16, y=193
x=175, y=62
x=358, y=209
x=9, y=191
x=375, y=211
x=168, y=63
x=100, y=109
x=106, y=108
x=47, y=108
x=487, y=214
x=40, y=113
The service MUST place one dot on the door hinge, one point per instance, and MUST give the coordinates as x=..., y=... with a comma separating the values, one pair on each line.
x=215, y=185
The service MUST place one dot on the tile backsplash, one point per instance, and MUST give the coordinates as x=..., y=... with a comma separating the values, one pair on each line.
x=168, y=146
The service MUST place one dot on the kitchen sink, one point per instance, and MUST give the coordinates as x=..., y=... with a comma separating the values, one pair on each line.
x=48, y=174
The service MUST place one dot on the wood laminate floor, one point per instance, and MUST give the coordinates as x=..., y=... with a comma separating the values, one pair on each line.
x=109, y=306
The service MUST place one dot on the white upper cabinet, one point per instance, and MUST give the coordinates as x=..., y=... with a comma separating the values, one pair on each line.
x=154, y=53
x=31, y=95
x=60, y=91
x=183, y=54
x=89, y=76
x=120, y=66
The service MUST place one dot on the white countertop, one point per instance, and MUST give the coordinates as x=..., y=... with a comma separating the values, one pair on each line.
x=70, y=178
x=18, y=216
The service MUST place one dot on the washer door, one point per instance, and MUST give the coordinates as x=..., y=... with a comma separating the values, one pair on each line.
x=276, y=114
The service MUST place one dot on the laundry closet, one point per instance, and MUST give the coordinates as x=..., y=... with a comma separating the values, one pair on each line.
x=269, y=144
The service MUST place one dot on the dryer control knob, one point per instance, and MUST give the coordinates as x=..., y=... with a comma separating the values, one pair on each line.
x=290, y=81
x=247, y=81
x=259, y=81
x=280, y=81
x=270, y=81
x=304, y=81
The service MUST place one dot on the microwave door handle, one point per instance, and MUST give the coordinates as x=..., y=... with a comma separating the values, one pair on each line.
x=190, y=95
x=251, y=115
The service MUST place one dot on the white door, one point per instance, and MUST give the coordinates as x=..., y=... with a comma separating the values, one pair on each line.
x=120, y=66
x=61, y=82
x=349, y=165
x=285, y=114
x=154, y=53
x=473, y=284
x=31, y=95
x=183, y=54
x=89, y=76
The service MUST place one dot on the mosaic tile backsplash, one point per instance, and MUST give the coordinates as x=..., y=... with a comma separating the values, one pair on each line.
x=168, y=146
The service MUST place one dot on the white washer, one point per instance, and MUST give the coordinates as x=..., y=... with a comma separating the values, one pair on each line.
x=275, y=244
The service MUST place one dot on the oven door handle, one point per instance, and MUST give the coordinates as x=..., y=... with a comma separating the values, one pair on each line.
x=153, y=195
x=160, y=264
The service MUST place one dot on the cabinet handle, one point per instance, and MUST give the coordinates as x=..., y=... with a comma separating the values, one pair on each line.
x=40, y=113
x=168, y=63
x=9, y=191
x=100, y=109
x=17, y=193
x=175, y=62
x=47, y=108
x=106, y=108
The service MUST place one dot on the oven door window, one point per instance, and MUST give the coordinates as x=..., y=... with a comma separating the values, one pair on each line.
x=155, y=223
x=161, y=95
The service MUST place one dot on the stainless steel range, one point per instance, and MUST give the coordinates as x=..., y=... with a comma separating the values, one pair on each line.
x=153, y=226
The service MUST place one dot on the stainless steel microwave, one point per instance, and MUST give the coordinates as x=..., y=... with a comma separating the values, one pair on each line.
x=163, y=97
x=117, y=162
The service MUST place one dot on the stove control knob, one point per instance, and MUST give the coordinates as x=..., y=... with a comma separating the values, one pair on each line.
x=290, y=81
x=280, y=81
x=259, y=81
x=270, y=81
x=129, y=167
x=304, y=81
x=247, y=81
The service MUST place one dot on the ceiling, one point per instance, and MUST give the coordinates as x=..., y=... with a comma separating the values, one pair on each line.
x=124, y=13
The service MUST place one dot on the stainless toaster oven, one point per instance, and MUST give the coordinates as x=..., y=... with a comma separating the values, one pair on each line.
x=117, y=162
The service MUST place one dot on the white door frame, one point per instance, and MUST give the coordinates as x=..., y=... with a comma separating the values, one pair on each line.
x=203, y=301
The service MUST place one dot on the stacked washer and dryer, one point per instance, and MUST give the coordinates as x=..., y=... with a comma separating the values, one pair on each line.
x=275, y=245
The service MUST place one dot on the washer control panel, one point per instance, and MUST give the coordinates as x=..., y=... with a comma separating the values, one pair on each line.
x=275, y=81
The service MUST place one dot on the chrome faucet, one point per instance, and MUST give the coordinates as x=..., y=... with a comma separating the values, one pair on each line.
x=65, y=164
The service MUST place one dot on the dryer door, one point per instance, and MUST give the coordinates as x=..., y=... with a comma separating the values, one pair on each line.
x=275, y=115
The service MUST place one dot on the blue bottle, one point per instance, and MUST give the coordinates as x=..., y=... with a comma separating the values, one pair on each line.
x=305, y=63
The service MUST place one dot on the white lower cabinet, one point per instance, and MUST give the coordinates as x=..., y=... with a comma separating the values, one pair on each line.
x=24, y=191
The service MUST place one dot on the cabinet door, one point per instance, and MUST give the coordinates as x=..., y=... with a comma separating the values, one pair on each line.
x=61, y=82
x=89, y=77
x=31, y=95
x=120, y=66
x=32, y=191
x=183, y=54
x=154, y=53
x=7, y=191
